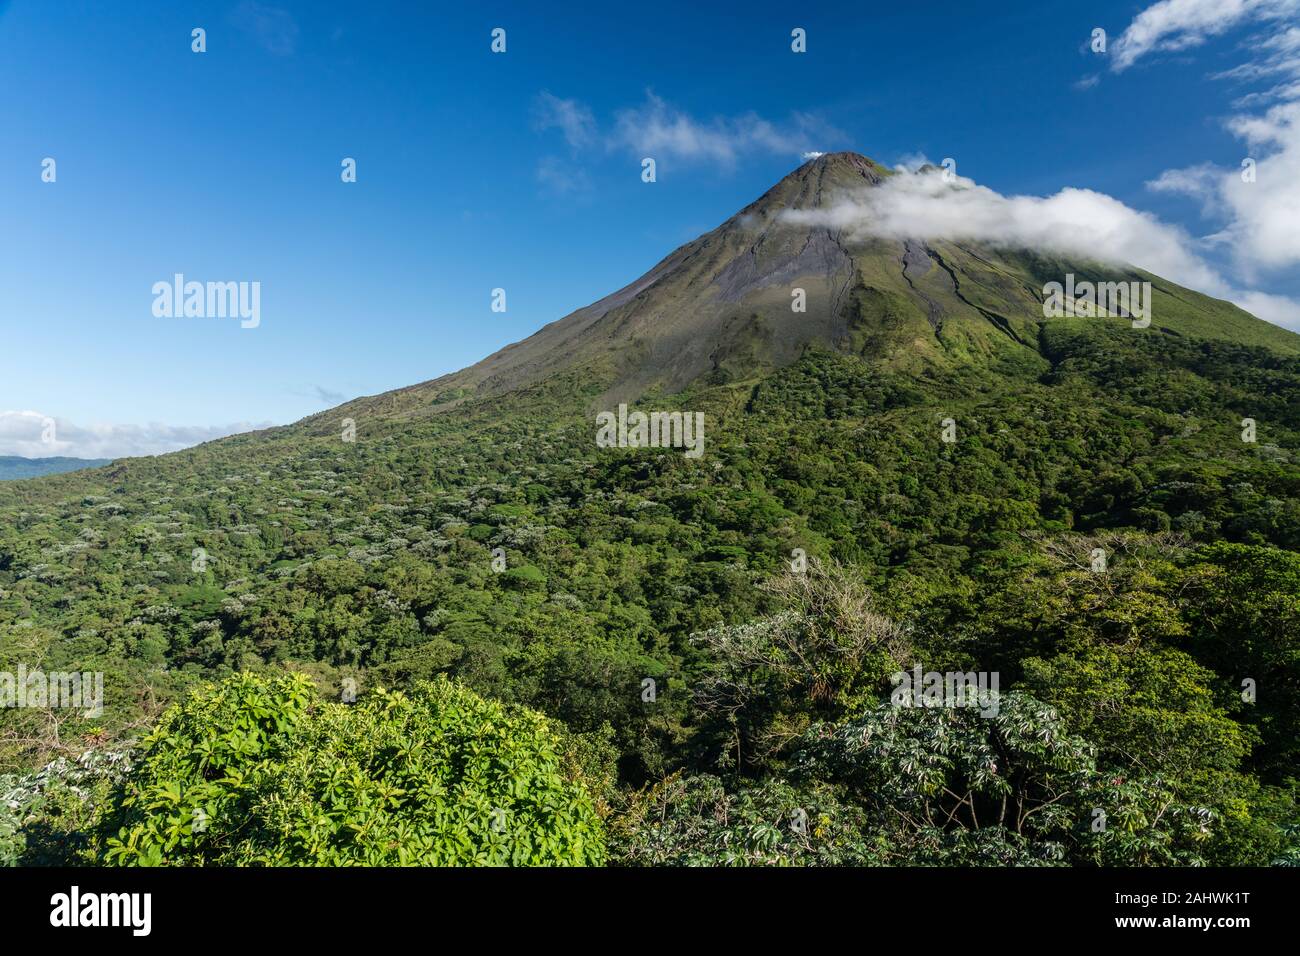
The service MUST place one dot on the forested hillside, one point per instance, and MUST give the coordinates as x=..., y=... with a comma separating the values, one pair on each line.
x=1108, y=518
x=374, y=560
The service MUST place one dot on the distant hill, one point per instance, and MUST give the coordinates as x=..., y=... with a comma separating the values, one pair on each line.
x=14, y=466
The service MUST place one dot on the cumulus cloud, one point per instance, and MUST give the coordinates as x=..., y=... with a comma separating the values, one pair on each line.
x=1254, y=206
x=1258, y=203
x=1072, y=222
x=33, y=434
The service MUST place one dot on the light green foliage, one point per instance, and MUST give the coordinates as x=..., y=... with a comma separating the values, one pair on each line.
x=265, y=772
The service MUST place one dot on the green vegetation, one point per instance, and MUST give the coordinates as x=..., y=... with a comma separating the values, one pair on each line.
x=263, y=772
x=1157, y=692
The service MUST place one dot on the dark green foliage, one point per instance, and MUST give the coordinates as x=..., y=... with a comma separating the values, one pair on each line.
x=697, y=821
x=1004, y=784
x=373, y=561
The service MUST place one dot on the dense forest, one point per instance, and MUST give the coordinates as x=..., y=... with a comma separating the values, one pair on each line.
x=474, y=636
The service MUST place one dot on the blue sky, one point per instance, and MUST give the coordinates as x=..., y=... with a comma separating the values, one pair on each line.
x=521, y=170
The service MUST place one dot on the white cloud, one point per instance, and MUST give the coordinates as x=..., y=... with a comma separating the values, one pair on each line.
x=1259, y=215
x=562, y=179
x=1281, y=57
x=31, y=435
x=274, y=29
x=1076, y=222
x=1277, y=309
x=1256, y=213
x=911, y=162
x=667, y=134
x=1174, y=25
x=1191, y=181
x=664, y=132
x=1263, y=216
x=572, y=118
x=1199, y=182
x=659, y=130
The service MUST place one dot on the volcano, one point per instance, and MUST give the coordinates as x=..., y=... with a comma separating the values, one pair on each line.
x=723, y=304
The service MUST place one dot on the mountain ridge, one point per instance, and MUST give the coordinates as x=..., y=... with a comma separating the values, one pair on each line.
x=17, y=467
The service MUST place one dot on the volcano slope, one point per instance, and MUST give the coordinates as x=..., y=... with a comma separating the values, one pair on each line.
x=917, y=470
